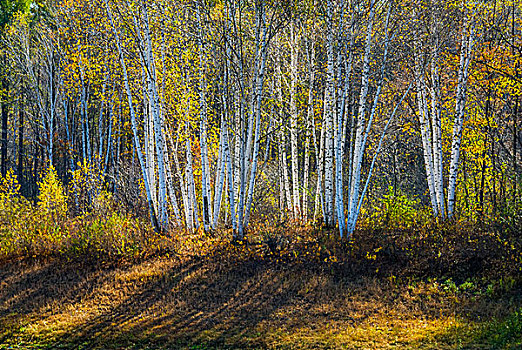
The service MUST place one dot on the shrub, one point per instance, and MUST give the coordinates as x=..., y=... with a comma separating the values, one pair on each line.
x=395, y=210
x=9, y=197
x=109, y=237
x=46, y=229
x=9, y=187
x=52, y=200
x=104, y=204
x=85, y=186
x=14, y=210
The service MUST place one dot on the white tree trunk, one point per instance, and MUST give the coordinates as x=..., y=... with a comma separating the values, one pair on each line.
x=436, y=127
x=259, y=100
x=157, y=123
x=319, y=195
x=309, y=130
x=134, y=125
x=328, y=124
x=467, y=44
x=360, y=133
x=424, y=119
x=221, y=167
x=294, y=117
x=205, y=173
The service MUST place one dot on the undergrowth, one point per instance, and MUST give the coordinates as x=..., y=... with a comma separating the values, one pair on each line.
x=46, y=228
x=415, y=284
x=381, y=246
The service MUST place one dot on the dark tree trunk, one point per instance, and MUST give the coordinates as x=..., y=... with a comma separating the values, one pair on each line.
x=21, y=146
x=4, y=133
x=5, y=114
x=515, y=133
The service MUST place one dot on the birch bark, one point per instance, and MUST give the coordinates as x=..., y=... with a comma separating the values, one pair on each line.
x=205, y=174
x=134, y=125
x=328, y=121
x=158, y=127
x=436, y=127
x=309, y=129
x=360, y=133
x=467, y=43
x=426, y=132
x=294, y=117
x=259, y=100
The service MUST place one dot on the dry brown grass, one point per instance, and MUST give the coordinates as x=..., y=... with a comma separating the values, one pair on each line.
x=311, y=292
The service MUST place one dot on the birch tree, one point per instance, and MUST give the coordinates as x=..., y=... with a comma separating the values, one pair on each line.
x=427, y=63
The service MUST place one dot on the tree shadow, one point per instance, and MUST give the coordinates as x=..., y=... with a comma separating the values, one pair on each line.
x=189, y=302
x=220, y=300
x=37, y=286
x=192, y=304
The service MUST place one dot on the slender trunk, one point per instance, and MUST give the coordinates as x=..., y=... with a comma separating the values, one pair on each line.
x=170, y=188
x=100, y=128
x=424, y=119
x=465, y=59
x=280, y=170
x=218, y=193
x=182, y=184
x=294, y=117
x=70, y=140
x=260, y=21
x=436, y=124
x=309, y=130
x=319, y=195
x=21, y=145
x=134, y=125
x=191, y=187
x=259, y=100
x=155, y=110
x=231, y=194
x=515, y=136
x=328, y=125
x=5, y=114
x=205, y=173
x=286, y=178
x=52, y=92
x=108, y=150
x=282, y=147
x=360, y=133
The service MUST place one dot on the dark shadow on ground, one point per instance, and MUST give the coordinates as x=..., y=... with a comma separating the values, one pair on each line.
x=223, y=299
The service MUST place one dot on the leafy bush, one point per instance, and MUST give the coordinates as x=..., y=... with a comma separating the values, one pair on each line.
x=85, y=186
x=9, y=198
x=395, y=210
x=110, y=237
x=52, y=200
x=9, y=186
x=511, y=215
x=46, y=229
x=14, y=211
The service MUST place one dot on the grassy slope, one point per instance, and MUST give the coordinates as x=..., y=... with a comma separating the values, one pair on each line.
x=261, y=297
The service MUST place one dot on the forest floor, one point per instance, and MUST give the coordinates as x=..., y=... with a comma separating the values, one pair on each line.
x=378, y=292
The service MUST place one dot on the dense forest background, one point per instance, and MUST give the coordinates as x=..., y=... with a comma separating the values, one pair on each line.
x=216, y=113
